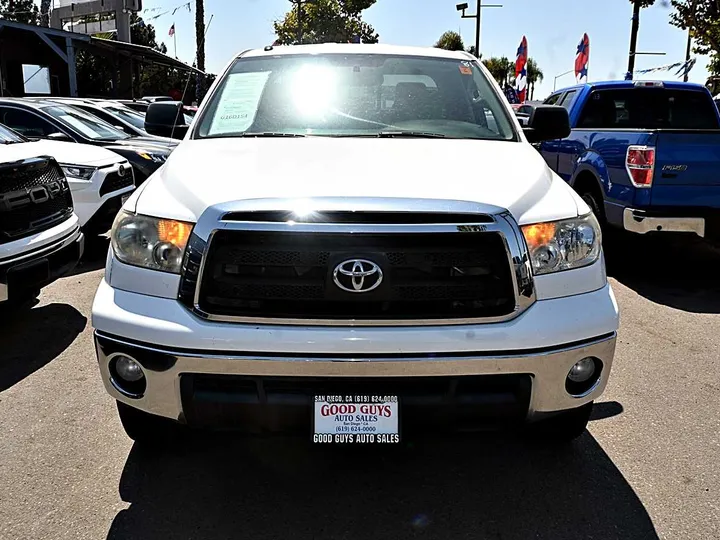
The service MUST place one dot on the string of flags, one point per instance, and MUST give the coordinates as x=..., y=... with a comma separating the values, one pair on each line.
x=142, y=22
x=683, y=68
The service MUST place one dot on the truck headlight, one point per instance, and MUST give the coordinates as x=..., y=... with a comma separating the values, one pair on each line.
x=148, y=242
x=563, y=245
x=78, y=172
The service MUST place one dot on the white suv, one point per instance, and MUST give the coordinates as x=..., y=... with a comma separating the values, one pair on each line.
x=100, y=180
x=357, y=242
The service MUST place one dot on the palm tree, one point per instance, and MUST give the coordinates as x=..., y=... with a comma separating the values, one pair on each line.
x=534, y=74
x=450, y=41
x=637, y=5
x=200, y=43
x=500, y=68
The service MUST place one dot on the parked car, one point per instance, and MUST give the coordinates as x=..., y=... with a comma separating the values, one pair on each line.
x=100, y=180
x=134, y=104
x=155, y=99
x=116, y=114
x=41, y=118
x=264, y=279
x=644, y=155
x=40, y=237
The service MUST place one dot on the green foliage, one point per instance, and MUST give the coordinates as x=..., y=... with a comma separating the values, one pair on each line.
x=450, y=41
x=534, y=75
x=643, y=3
x=471, y=50
x=703, y=18
x=24, y=11
x=327, y=21
x=502, y=69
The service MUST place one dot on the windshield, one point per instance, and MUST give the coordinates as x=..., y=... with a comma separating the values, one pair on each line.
x=356, y=95
x=7, y=136
x=133, y=117
x=86, y=124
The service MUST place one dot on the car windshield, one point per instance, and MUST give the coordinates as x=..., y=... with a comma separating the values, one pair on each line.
x=86, y=124
x=356, y=95
x=132, y=117
x=7, y=136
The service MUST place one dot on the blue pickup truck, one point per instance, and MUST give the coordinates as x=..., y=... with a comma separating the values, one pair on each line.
x=644, y=155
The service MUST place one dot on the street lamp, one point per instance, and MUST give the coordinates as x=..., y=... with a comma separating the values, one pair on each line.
x=299, y=4
x=478, y=11
x=561, y=75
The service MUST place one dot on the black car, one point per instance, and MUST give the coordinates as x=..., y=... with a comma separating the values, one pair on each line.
x=135, y=104
x=45, y=119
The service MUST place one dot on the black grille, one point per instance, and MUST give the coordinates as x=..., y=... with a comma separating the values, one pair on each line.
x=34, y=196
x=290, y=275
x=114, y=182
x=285, y=404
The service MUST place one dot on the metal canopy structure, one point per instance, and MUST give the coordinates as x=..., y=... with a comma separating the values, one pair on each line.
x=55, y=49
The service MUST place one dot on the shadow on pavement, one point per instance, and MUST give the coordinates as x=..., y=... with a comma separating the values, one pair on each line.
x=461, y=487
x=94, y=257
x=678, y=271
x=605, y=410
x=31, y=339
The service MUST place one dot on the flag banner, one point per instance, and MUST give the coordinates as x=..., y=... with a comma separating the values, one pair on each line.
x=582, y=58
x=683, y=68
x=172, y=30
x=521, y=70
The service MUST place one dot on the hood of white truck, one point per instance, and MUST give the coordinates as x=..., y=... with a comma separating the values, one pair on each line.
x=63, y=152
x=203, y=173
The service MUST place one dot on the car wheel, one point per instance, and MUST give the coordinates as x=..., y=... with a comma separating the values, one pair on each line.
x=594, y=205
x=145, y=429
x=565, y=426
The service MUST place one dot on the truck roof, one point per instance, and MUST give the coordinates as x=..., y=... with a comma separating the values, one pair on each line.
x=355, y=48
x=673, y=85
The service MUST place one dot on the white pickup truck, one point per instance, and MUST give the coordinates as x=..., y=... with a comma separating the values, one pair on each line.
x=356, y=242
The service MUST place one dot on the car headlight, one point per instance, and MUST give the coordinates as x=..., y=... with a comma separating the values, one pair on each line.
x=152, y=156
x=562, y=245
x=148, y=242
x=78, y=172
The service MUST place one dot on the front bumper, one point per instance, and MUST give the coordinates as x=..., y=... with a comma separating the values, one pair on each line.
x=35, y=269
x=642, y=222
x=292, y=380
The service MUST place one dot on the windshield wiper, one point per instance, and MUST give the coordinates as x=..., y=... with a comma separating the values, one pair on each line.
x=254, y=134
x=415, y=134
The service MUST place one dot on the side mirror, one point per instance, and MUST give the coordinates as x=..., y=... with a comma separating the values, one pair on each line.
x=165, y=119
x=547, y=123
x=59, y=136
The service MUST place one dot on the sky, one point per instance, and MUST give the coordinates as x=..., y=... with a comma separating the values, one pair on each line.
x=553, y=29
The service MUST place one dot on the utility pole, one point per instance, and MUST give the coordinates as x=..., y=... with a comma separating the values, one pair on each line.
x=687, y=54
x=633, y=38
x=478, y=20
x=299, y=4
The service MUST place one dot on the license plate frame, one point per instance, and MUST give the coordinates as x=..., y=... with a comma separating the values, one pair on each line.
x=356, y=419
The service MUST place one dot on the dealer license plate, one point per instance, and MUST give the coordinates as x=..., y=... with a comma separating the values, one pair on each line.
x=356, y=419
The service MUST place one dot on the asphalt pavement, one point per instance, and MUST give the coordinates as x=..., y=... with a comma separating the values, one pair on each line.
x=647, y=468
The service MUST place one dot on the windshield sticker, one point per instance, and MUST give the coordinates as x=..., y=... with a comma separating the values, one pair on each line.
x=239, y=102
x=465, y=68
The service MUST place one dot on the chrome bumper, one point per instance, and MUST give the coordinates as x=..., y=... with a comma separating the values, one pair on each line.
x=163, y=368
x=75, y=241
x=638, y=222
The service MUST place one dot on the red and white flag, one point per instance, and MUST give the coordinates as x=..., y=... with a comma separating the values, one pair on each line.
x=172, y=30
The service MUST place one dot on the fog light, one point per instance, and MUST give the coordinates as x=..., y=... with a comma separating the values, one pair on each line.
x=582, y=371
x=128, y=369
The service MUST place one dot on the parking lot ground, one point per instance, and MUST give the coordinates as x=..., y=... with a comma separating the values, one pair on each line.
x=647, y=468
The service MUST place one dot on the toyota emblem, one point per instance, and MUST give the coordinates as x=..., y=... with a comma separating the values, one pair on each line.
x=357, y=276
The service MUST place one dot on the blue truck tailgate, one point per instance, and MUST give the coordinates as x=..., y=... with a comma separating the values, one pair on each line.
x=687, y=158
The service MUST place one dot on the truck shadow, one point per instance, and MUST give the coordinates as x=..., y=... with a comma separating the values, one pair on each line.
x=458, y=487
x=679, y=272
x=50, y=329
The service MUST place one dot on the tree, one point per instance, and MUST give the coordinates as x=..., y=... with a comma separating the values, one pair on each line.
x=327, y=21
x=702, y=17
x=637, y=5
x=471, y=50
x=500, y=68
x=24, y=11
x=450, y=41
x=534, y=74
x=45, y=13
